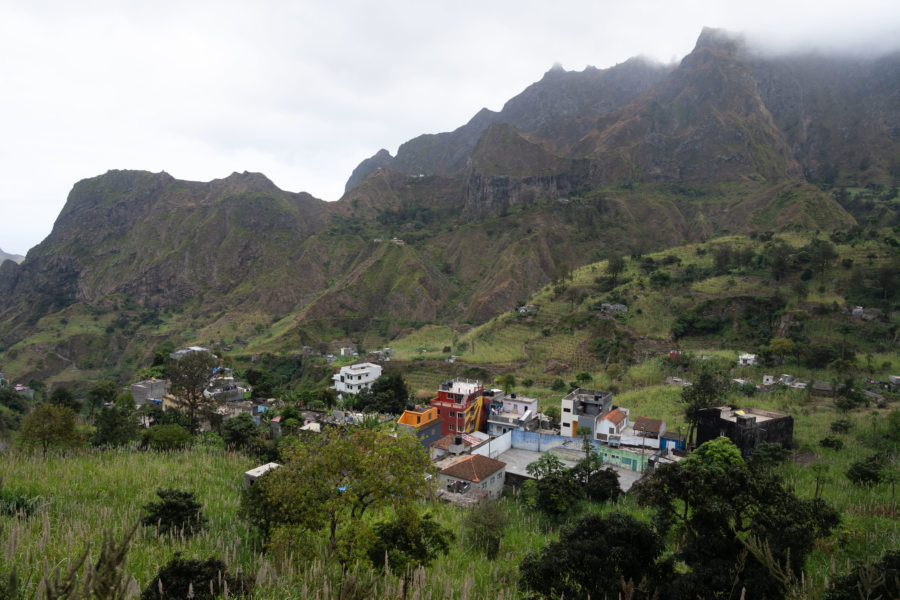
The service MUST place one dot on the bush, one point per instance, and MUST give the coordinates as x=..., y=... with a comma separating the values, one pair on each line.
x=558, y=385
x=176, y=512
x=880, y=580
x=841, y=426
x=199, y=579
x=18, y=504
x=832, y=441
x=166, y=437
x=866, y=472
x=484, y=526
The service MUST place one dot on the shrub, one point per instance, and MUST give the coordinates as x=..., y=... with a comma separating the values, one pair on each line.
x=166, y=437
x=866, y=472
x=558, y=385
x=484, y=526
x=841, y=426
x=880, y=580
x=176, y=511
x=240, y=431
x=192, y=578
x=832, y=441
x=15, y=503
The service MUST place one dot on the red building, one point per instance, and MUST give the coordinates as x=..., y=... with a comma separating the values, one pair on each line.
x=461, y=406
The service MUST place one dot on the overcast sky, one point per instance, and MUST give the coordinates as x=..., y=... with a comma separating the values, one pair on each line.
x=302, y=91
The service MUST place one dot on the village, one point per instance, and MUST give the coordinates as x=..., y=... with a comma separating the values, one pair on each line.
x=482, y=439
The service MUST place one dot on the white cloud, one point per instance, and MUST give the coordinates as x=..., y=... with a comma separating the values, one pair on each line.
x=303, y=91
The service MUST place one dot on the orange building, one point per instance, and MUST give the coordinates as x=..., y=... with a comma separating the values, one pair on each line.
x=423, y=421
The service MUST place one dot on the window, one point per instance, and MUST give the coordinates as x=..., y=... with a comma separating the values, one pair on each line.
x=451, y=414
x=451, y=428
x=568, y=410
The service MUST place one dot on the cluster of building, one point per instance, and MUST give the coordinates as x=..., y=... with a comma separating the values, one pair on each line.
x=482, y=439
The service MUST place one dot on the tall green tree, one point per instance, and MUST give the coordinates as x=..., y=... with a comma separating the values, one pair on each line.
x=62, y=396
x=408, y=542
x=615, y=265
x=103, y=392
x=116, y=425
x=712, y=503
x=703, y=393
x=594, y=557
x=239, y=432
x=508, y=382
x=49, y=425
x=388, y=394
x=328, y=482
x=190, y=375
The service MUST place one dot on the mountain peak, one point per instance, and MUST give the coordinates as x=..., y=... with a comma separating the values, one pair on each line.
x=714, y=38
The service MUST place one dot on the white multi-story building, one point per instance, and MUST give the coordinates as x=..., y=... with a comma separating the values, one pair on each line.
x=581, y=408
x=352, y=379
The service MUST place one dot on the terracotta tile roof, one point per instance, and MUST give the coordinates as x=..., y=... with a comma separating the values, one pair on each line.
x=647, y=424
x=615, y=416
x=473, y=468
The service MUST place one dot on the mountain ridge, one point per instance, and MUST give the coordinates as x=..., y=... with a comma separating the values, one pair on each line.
x=461, y=226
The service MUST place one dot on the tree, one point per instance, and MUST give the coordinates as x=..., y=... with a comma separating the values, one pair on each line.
x=546, y=465
x=712, y=503
x=328, y=482
x=553, y=413
x=388, y=394
x=822, y=253
x=484, y=526
x=117, y=425
x=102, y=392
x=12, y=407
x=702, y=394
x=554, y=491
x=192, y=578
x=781, y=347
x=614, y=267
x=190, y=375
x=176, y=511
x=594, y=557
x=866, y=472
x=508, y=382
x=239, y=432
x=61, y=396
x=49, y=425
x=166, y=437
x=598, y=484
x=408, y=542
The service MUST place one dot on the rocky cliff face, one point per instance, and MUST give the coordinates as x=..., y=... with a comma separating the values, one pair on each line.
x=725, y=113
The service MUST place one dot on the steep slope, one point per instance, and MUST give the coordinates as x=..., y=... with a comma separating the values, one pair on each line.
x=840, y=115
x=161, y=242
x=706, y=123
x=543, y=107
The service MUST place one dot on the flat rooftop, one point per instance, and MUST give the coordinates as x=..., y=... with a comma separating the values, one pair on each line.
x=460, y=386
x=761, y=415
x=517, y=459
x=359, y=368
